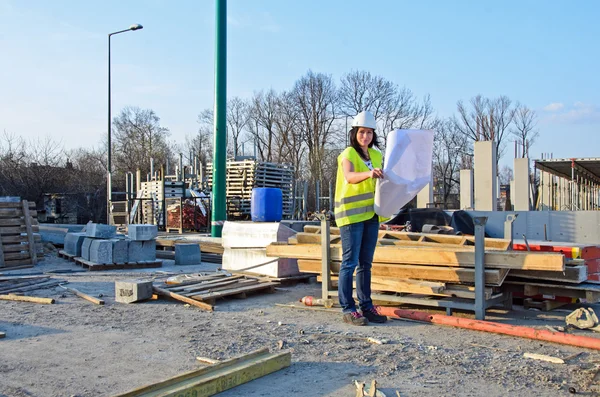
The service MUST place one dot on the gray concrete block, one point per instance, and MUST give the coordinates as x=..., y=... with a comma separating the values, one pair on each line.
x=149, y=250
x=120, y=250
x=187, y=254
x=142, y=232
x=129, y=291
x=101, y=251
x=73, y=243
x=85, y=248
x=98, y=230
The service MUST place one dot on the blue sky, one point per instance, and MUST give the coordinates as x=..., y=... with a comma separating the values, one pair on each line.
x=53, y=69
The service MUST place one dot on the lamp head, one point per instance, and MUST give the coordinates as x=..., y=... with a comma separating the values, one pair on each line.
x=136, y=26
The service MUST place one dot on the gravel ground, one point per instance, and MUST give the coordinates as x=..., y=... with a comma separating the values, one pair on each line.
x=75, y=348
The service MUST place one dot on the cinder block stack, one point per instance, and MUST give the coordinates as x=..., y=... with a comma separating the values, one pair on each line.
x=102, y=245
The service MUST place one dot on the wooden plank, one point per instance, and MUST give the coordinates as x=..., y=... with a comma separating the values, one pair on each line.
x=2, y=262
x=15, y=212
x=7, y=230
x=238, y=284
x=571, y=274
x=216, y=378
x=82, y=295
x=15, y=247
x=11, y=222
x=193, y=302
x=202, y=284
x=19, y=239
x=399, y=285
x=32, y=299
x=493, y=277
x=430, y=256
x=17, y=204
x=234, y=291
x=17, y=256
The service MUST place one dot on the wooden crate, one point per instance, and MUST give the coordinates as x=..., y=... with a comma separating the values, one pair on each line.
x=18, y=244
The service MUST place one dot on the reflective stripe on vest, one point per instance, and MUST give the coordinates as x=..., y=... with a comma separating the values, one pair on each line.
x=353, y=199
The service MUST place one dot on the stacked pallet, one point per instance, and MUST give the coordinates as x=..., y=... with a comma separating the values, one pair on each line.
x=203, y=290
x=243, y=176
x=20, y=242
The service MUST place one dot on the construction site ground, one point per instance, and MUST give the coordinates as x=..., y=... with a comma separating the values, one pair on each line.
x=76, y=348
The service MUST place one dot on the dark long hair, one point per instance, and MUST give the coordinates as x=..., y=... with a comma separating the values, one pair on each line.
x=356, y=146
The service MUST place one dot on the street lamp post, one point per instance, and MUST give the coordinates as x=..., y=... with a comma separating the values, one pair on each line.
x=109, y=149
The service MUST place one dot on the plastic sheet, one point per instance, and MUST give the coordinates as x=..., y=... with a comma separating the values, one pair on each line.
x=406, y=170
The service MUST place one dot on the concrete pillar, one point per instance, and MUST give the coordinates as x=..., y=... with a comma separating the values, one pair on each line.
x=521, y=184
x=485, y=176
x=466, y=189
x=425, y=196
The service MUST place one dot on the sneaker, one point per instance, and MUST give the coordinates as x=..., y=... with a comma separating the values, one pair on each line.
x=355, y=318
x=373, y=315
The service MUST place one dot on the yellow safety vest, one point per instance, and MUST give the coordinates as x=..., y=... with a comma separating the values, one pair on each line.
x=355, y=202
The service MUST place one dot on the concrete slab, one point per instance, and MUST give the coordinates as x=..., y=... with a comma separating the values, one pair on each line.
x=142, y=232
x=255, y=260
x=130, y=291
x=142, y=251
x=485, y=176
x=254, y=234
x=99, y=230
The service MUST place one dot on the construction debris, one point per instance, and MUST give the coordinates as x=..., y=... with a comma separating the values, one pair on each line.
x=32, y=299
x=87, y=297
x=583, y=318
x=543, y=357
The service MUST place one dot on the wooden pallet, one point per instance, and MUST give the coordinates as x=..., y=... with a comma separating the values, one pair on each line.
x=545, y=305
x=92, y=266
x=204, y=291
x=65, y=255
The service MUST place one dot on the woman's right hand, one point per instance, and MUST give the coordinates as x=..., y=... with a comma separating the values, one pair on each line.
x=376, y=173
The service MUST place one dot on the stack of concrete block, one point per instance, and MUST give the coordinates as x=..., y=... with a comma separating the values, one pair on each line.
x=142, y=244
x=101, y=244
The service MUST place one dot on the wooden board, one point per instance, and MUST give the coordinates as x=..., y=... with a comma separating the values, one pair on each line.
x=493, y=277
x=8, y=230
x=17, y=204
x=190, y=301
x=234, y=291
x=430, y=256
x=571, y=274
x=399, y=285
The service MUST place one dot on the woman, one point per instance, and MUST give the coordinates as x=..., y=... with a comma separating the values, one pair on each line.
x=358, y=166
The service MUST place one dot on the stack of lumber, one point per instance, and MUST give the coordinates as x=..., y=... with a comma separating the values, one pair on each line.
x=210, y=247
x=20, y=242
x=579, y=281
x=243, y=176
x=420, y=263
x=203, y=290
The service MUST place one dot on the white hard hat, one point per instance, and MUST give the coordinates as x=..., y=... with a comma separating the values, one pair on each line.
x=364, y=119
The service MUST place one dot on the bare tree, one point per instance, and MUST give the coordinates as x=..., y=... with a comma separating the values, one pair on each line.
x=138, y=137
x=505, y=175
x=524, y=128
x=289, y=138
x=448, y=149
x=237, y=120
x=263, y=113
x=315, y=97
x=486, y=120
x=393, y=107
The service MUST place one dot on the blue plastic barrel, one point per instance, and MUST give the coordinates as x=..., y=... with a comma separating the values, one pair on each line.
x=266, y=204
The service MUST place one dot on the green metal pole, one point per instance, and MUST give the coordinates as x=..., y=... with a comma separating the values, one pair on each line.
x=220, y=133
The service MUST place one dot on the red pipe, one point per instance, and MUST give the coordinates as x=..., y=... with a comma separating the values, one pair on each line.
x=498, y=328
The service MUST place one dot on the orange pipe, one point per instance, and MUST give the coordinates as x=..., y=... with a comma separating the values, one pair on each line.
x=488, y=326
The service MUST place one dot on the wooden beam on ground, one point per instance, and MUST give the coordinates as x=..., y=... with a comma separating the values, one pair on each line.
x=571, y=274
x=430, y=256
x=233, y=291
x=216, y=378
x=84, y=296
x=190, y=301
x=493, y=277
x=32, y=299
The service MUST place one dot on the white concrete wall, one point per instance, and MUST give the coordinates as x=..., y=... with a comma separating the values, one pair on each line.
x=466, y=189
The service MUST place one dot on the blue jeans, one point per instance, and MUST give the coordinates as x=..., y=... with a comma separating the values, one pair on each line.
x=358, y=246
